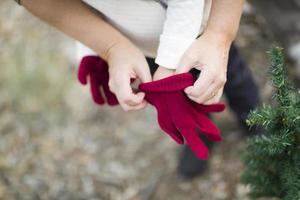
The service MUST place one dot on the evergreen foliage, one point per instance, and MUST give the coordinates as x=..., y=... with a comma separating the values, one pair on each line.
x=272, y=159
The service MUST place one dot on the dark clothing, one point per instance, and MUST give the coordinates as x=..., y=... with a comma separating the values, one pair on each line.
x=240, y=89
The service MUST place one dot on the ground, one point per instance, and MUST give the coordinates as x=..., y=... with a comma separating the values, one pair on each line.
x=56, y=144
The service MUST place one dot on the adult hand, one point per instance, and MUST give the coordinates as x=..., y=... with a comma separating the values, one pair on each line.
x=209, y=54
x=127, y=62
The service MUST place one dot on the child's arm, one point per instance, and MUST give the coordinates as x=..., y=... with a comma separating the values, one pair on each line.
x=209, y=52
x=182, y=25
x=125, y=60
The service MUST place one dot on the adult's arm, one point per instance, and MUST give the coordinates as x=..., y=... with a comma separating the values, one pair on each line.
x=224, y=19
x=125, y=60
x=76, y=19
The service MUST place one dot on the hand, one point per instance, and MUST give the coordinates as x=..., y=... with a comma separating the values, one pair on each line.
x=162, y=72
x=209, y=54
x=127, y=62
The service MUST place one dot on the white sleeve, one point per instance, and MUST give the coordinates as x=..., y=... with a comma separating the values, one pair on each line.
x=182, y=26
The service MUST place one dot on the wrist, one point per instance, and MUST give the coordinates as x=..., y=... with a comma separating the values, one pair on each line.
x=162, y=72
x=116, y=47
x=220, y=37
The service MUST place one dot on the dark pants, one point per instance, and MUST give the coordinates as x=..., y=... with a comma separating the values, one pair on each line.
x=240, y=89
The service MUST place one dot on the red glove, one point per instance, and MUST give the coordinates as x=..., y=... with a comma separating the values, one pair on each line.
x=97, y=70
x=180, y=117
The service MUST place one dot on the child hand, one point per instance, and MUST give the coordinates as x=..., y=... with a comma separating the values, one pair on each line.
x=209, y=53
x=127, y=62
x=162, y=72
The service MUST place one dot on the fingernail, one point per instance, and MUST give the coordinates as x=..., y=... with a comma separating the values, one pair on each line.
x=188, y=90
x=141, y=95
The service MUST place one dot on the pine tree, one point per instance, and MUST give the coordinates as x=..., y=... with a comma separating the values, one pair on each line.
x=272, y=159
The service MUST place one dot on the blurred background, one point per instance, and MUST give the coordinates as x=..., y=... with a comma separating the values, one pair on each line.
x=57, y=144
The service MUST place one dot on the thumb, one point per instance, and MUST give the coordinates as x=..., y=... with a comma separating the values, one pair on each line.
x=185, y=64
x=144, y=74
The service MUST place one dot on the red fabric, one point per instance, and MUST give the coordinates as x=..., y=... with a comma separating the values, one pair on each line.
x=181, y=118
x=96, y=70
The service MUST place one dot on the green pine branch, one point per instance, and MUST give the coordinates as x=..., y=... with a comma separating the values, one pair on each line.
x=272, y=160
x=262, y=117
x=278, y=77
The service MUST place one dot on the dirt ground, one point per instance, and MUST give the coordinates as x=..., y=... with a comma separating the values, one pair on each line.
x=56, y=144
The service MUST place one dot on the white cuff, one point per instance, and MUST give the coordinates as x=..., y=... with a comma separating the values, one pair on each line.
x=171, y=49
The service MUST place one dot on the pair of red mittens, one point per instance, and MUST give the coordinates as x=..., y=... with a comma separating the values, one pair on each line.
x=181, y=118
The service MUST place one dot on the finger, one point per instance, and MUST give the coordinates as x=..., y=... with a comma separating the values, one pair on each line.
x=95, y=90
x=122, y=88
x=167, y=125
x=128, y=108
x=215, y=99
x=200, y=86
x=133, y=99
x=110, y=97
x=82, y=75
x=144, y=74
x=195, y=143
x=185, y=64
x=217, y=107
x=84, y=68
x=209, y=93
x=208, y=128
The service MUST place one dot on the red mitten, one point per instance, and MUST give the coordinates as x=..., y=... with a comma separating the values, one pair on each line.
x=180, y=117
x=97, y=70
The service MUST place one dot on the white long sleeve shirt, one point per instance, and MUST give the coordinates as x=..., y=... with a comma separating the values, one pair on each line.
x=162, y=29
